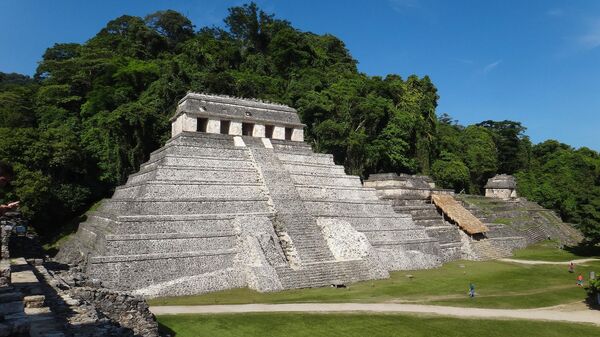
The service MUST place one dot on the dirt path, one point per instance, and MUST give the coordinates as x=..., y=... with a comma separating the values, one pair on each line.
x=548, y=262
x=549, y=314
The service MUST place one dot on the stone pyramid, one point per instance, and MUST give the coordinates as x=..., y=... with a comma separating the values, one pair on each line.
x=237, y=199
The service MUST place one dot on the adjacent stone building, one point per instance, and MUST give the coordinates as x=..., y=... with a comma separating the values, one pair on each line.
x=236, y=199
x=501, y=186
x=461, y=235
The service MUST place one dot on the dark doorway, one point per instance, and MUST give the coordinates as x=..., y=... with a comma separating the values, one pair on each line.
x=247, y=129
x=225, y=127
x=269, y=131
x=288, y=133
x=201, y=125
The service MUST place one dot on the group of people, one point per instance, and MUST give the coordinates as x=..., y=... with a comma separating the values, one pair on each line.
x=6, y=175
x=579, y=277
x=571, y=270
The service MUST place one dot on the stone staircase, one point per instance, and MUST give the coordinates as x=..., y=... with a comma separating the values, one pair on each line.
x=329, y=193
x=520, y=218
x=411, y=195
x=324, y=274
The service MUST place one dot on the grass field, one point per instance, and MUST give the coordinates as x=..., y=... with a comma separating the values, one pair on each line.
x=354, y=325
x=498, y=285
x=549, y=251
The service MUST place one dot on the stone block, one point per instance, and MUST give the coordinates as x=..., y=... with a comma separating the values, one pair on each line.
x=298, y=135
x=258, y=131
x=279, y=132
x=213, y=126
x=235, y=128
x=34, y=301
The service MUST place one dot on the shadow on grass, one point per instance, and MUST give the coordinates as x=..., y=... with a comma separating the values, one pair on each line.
x=592, y=302
x=165, y=331
x=584, y=250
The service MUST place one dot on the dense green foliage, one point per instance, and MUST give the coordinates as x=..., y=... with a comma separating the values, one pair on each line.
x=94, y=111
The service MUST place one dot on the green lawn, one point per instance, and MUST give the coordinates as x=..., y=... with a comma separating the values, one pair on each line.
x=549, y=251
x=355, y=325
x=498, y=284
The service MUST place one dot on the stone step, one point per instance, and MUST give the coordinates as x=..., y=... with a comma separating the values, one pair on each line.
x=193, y=206
x=323, y=274
x=380, y=223
x=280, y=143
x=130, y=246
x=418, y=213
x=295, y=167
x=174, y=173
x=341, y=193
x=188, y=190
x=396, y=236
x=159, y=224
x=409, y=202
x=144, y=269
x=199, y=152
x=341, y=180
x=202, y=139
x=335, y=208
x=313, y=158
x=171, y=160
x=445, y=234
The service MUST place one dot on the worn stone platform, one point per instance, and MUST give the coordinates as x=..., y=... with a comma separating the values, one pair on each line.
x=412, y=195
x=236, y=199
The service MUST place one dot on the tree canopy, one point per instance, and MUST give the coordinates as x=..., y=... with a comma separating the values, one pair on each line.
x=94, y=111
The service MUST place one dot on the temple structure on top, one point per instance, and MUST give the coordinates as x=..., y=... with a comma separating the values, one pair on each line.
x=236, y=199
x=501, y=186
x=236, y=117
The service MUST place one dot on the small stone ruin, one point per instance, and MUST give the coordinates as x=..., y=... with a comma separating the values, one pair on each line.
x=461, y=235
x=501, y=186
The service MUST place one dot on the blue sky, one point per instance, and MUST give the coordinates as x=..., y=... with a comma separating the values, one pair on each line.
x=537, y=62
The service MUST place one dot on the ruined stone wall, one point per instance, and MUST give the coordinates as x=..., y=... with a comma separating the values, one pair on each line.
x=129, y=311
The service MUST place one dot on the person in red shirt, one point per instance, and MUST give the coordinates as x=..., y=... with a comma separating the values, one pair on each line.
x=580, y=280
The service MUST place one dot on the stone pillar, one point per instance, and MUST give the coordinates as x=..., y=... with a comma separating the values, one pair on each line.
x=175, y=127
x=189, y=124
x=279, y=132
x=213, y=126
x=235, y=128
x=298, y=135
x=258, y=131
x=183, y=123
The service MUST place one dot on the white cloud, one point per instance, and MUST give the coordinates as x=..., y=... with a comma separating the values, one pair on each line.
x=555, y=12
x=401, y=6
x=464, y=61
x=591, y=38
x=491, y=66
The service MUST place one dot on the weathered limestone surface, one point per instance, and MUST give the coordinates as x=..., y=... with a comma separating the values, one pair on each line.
x=215, y=211
x=522, y=218
x=412, y=195
x=501, y=186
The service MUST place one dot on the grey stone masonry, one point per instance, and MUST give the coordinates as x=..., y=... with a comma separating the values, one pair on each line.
x=220, y=207
x=411, y=195
x=501, y=186
x=520, y=217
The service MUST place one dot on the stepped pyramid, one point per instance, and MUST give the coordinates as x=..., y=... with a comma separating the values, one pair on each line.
x=237, y=199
